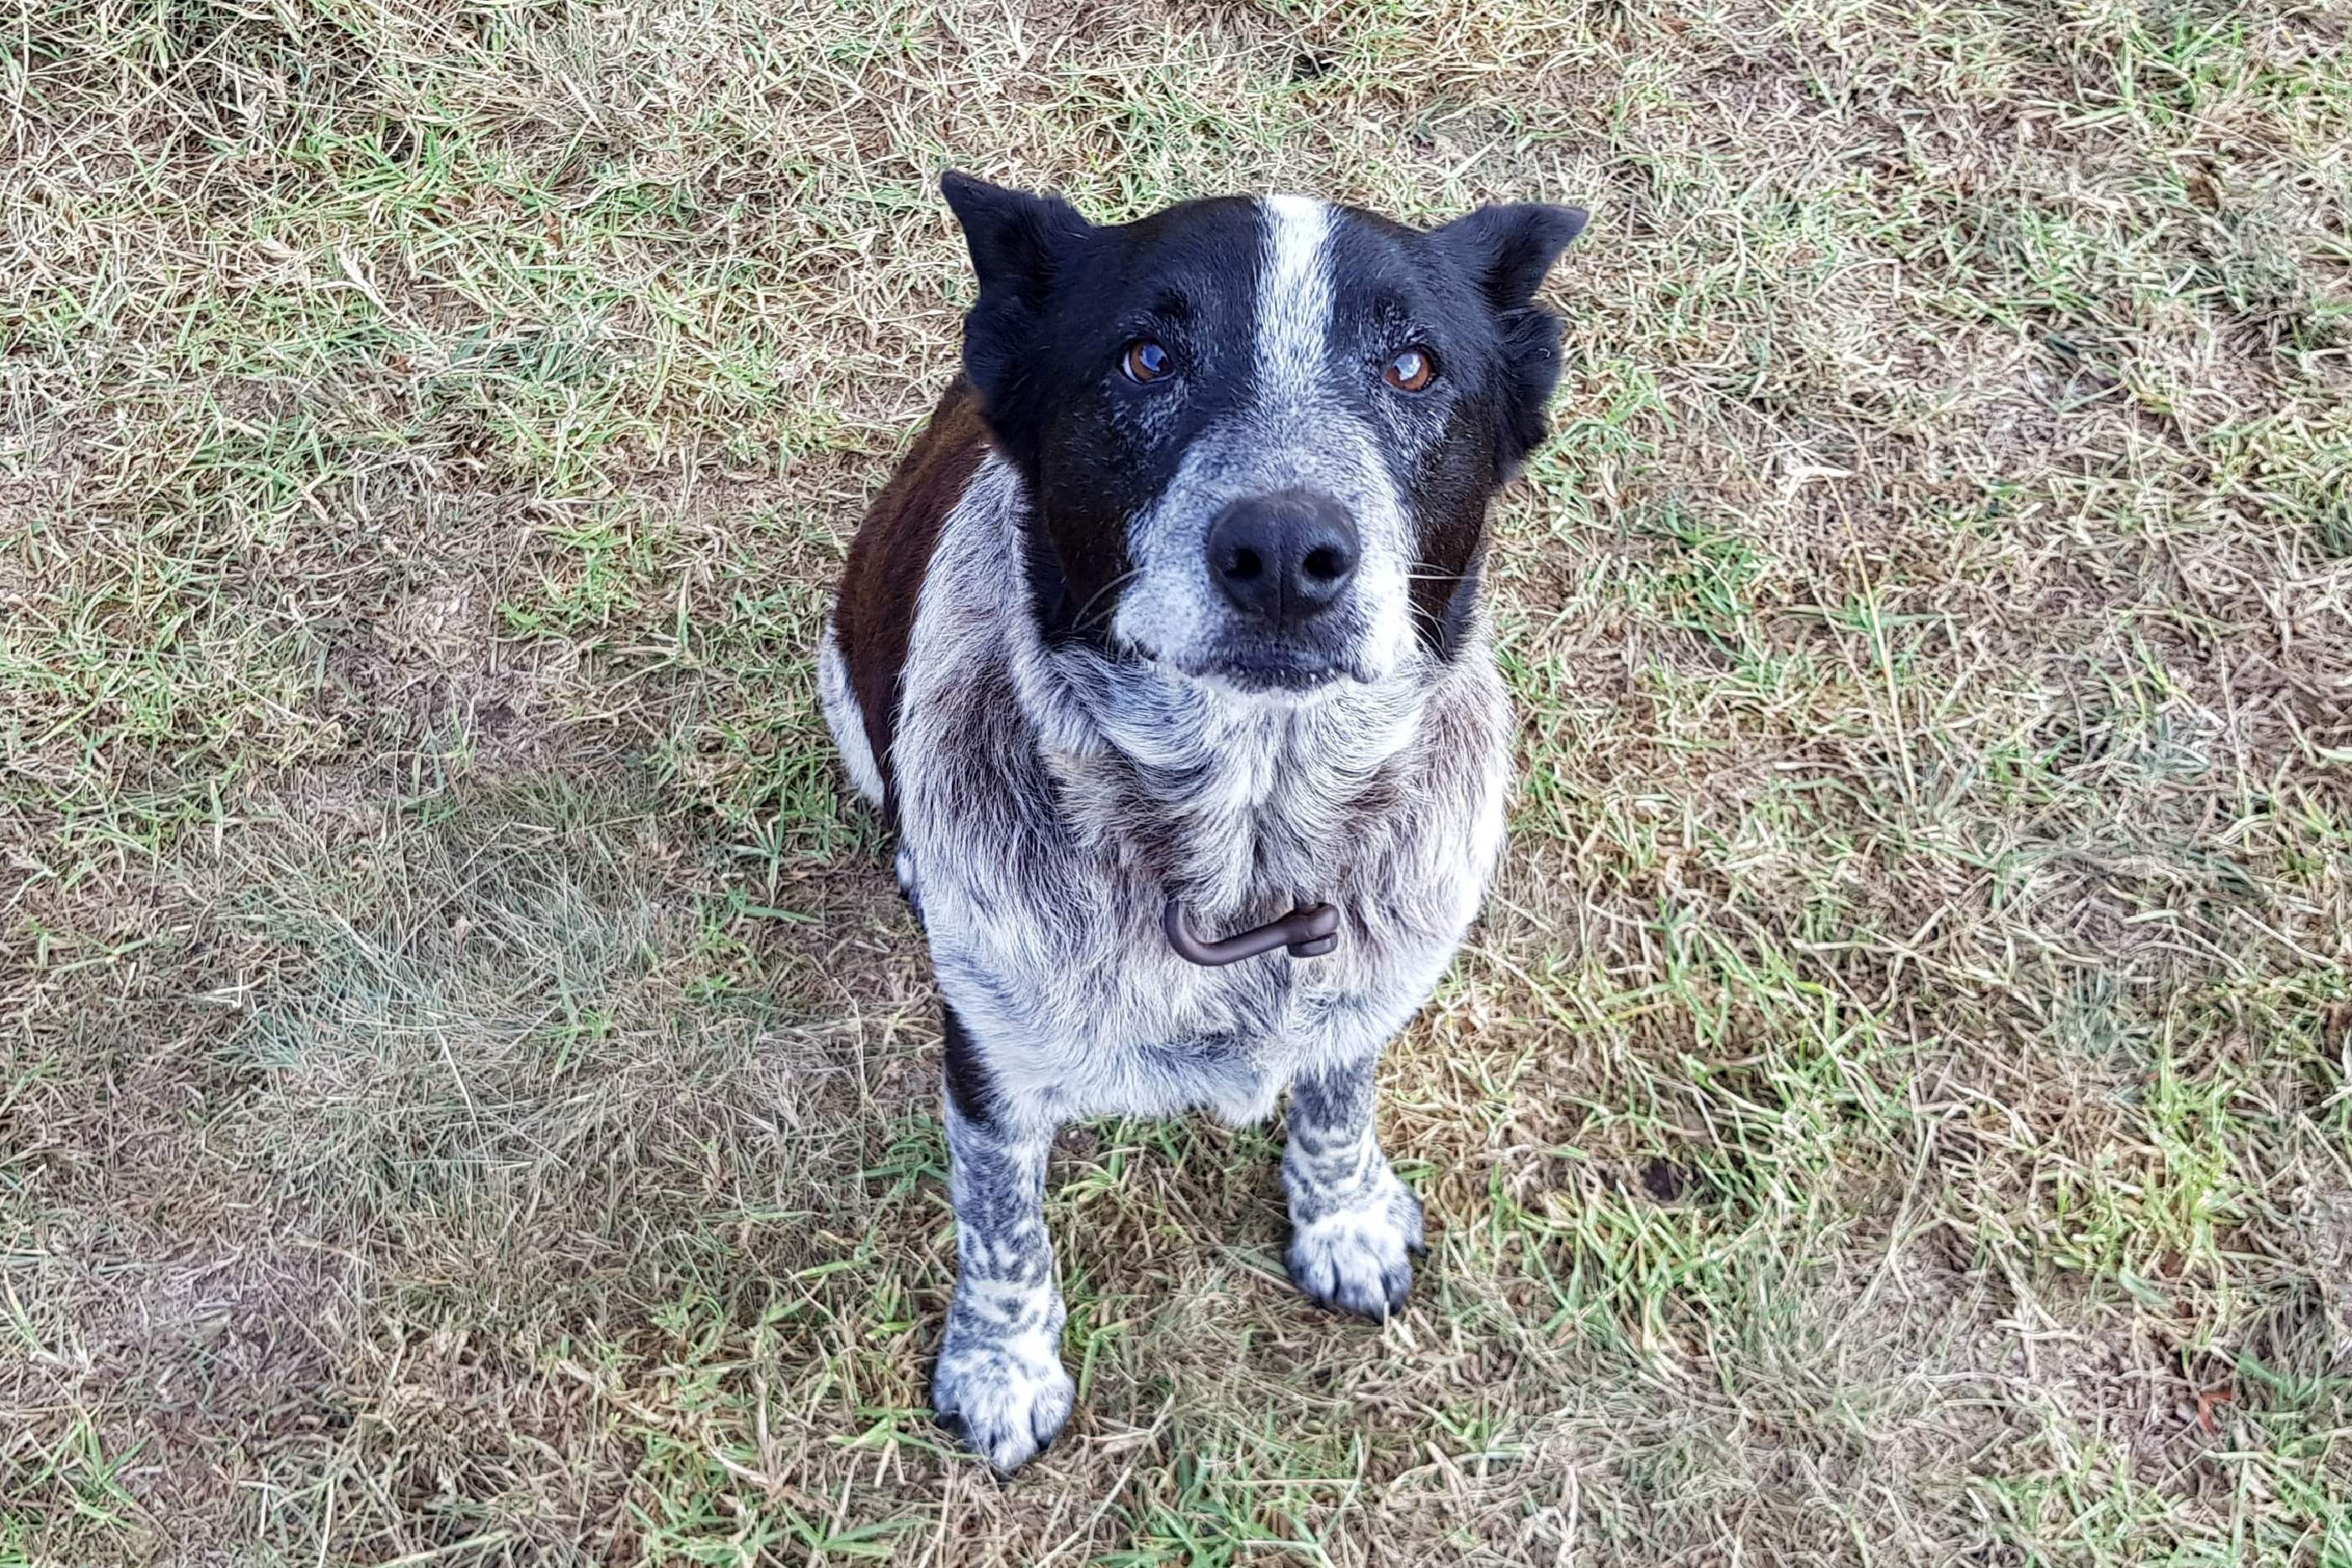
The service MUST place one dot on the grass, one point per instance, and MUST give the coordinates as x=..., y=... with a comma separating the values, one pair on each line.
x=467, y=1089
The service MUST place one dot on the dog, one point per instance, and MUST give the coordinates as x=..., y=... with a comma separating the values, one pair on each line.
x=1167, y=626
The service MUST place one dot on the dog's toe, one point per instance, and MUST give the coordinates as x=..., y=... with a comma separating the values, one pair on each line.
x=1005, y=1400
x=1359, y=1259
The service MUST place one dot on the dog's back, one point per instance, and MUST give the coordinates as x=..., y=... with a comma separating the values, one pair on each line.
x=861, y=664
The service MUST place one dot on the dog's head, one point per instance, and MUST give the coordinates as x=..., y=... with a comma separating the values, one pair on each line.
x=1259, y=434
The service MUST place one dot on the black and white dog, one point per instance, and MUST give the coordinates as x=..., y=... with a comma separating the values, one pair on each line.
x=1169, y=626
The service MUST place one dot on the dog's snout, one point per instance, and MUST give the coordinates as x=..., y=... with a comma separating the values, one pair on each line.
x=1283, y=557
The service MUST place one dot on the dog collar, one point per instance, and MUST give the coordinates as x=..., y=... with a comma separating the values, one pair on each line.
x=1308, y=933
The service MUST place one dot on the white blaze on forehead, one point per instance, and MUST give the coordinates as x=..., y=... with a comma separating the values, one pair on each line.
x=1305, y=432
x=1294, y=299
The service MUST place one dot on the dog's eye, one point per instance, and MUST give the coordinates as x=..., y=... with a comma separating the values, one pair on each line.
x=1410, y=371
x=1147, y=362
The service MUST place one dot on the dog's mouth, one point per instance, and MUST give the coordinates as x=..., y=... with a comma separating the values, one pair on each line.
x=1266, y=666
x=1261, y=675
x=1273, y=675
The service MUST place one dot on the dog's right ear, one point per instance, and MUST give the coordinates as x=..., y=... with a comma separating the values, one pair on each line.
x=1020, y=244
x=1018, y=241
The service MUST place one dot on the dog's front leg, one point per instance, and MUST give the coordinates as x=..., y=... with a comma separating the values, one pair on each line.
x=999, y=1381
x=1354, y=1226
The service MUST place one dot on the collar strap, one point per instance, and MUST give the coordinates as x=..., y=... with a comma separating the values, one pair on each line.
x=1307, y=933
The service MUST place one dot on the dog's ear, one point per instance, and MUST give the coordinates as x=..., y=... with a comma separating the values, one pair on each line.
x=1506, y=252
x=1017, y=240
x=1020, y=244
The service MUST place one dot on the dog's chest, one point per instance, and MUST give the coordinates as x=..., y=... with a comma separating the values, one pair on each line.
x=1044, y=870
x=1087, y=1009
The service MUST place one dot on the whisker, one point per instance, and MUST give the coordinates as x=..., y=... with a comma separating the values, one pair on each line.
x=1113, y=586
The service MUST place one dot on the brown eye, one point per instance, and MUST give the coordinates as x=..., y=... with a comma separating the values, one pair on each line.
x=1147, y=362
x=1410, y=371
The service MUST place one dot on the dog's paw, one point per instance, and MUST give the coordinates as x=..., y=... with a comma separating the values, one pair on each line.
x=1359, y=1258
x=1006, y=1397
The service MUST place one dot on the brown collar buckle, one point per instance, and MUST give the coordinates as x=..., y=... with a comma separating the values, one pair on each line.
x=1307, y=933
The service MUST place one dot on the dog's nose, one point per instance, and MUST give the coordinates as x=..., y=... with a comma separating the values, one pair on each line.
x=1283, y=557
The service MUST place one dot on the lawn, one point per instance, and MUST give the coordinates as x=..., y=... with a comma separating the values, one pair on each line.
x=468, y=1085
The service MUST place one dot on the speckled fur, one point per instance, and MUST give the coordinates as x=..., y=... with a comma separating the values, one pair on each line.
x=1049, y=803
x=1052, y=792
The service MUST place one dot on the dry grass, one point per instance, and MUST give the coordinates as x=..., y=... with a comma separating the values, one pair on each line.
x=466, y=1087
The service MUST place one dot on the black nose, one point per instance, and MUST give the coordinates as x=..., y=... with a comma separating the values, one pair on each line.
x=1282, y=557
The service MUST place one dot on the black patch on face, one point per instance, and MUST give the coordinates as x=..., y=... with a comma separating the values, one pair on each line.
x=1463, y=295
x=1061, y=301
x=1105, y=446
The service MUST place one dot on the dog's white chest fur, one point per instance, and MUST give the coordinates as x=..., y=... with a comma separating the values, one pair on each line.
x=1051, y=803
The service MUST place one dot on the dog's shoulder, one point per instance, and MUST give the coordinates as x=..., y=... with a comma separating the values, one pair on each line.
x=889, y=560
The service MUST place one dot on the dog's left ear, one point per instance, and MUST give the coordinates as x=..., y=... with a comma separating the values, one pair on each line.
x=1507, y=250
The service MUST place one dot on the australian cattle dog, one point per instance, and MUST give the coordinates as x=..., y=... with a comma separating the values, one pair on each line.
x=1163, y=653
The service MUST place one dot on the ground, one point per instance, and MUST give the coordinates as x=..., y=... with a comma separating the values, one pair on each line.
x=467, y=1089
